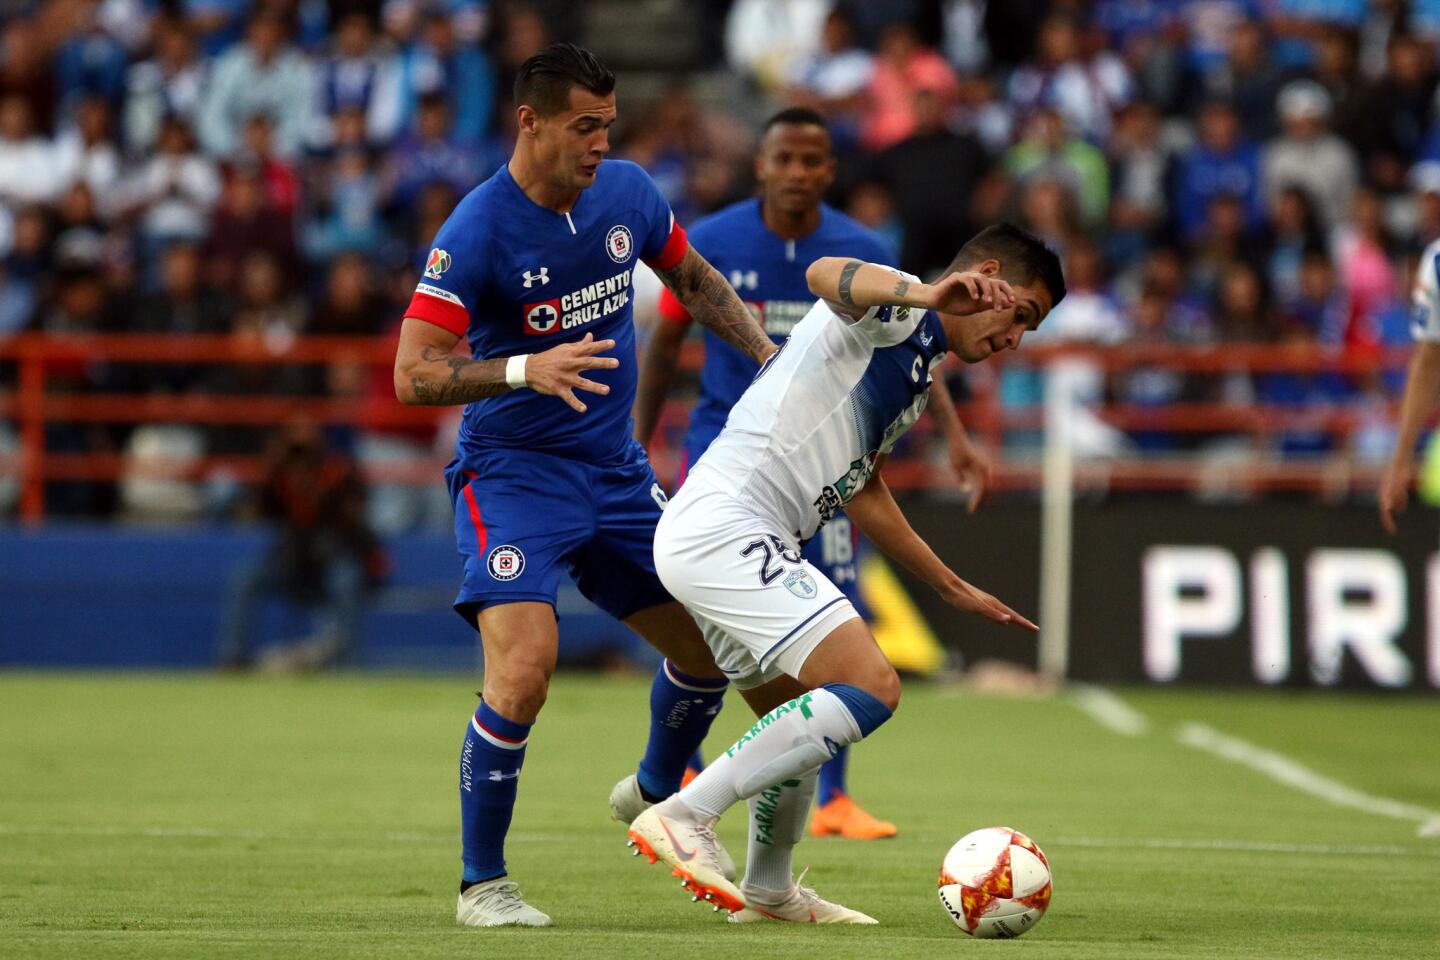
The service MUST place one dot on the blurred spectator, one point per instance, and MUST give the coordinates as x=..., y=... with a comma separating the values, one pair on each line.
x=26, y=267
x=430, y=154
x=834, y=79
x=358, y=74
x=25, y=72
x=1143, y=34
x=903, y=68
x=1209, y=26
x=932, y=176
x=1139, y=165
x=183, y=304
x=1320, y=309
x=85, y=152
x=322, y=555
x=764, y=38
x=1395, y=113
x=521, y=33
x=1295, y=228
x=979, y=109
x=1366, y=276
x=168, y=85
x=218, y=24
x=1085, y=90
x=262, y=76
x=351, y=306
x=89, y=62
x=1308, y=155
x=347, y=209
x=1220, y=163
x=1424, y=180
x=873, y=206
x=1242, y=306
x=437, y=65
x=1246, y=78
x=1299, y=24
x=28, y=171
x=1223, y=240
x=245, y=222
x=282, y=182
x=175, y=190
x=1048, y=151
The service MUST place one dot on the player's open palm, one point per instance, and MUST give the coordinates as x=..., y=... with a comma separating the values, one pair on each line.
x=972, y=599
x=560, y=371
x=966, y=293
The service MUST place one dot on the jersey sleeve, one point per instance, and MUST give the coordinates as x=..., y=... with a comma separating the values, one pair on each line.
x=888, y=325
x=1425, y=311
x=671, y=309
x=451, y=282
x=664, y=242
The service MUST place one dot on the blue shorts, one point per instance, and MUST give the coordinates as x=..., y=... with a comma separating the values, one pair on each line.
x=523, y=518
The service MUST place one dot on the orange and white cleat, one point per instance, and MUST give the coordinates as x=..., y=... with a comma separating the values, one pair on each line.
x=843, y=817
x=799, y=904
x=668, y=831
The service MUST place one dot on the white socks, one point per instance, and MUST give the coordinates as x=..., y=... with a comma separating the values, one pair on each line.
x=789, y=742
x=777, y=822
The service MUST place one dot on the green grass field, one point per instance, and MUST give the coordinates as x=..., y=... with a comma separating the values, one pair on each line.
x=161, y=816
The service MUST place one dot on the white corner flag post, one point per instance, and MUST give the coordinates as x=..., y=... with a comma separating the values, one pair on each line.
x=1057, y=496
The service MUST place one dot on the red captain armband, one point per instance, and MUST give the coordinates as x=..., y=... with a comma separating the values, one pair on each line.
x=673, y=251
x=671, y=309
x=440, y=307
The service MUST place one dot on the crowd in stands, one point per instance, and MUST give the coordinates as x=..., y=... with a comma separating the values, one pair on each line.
x=1210, y=170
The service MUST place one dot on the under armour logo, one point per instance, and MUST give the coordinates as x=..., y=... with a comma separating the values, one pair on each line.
x=543, y=276
x=498, y=775
x=744, y=279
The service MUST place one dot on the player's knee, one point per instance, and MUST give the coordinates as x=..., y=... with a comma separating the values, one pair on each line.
x=884, y=685
x=518, y=692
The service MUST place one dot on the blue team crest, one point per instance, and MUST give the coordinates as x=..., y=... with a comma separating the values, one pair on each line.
x=619, y=243
x=800, y=583
x=437, y=263
x=505, y=562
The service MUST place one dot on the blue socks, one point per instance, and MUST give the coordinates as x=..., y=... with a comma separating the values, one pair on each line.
x=832, y=777
x=490, y=763
x=682, y=708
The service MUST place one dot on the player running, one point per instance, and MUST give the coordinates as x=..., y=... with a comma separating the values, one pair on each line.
x=763, y=246
x=806, y=439
x=1422, y=387
x=533, y=268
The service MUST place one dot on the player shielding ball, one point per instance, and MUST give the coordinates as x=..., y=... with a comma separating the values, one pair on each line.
x=808, y=438
x=534, y=268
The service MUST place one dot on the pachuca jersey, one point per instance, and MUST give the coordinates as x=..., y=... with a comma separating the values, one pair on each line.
x=515, y=277
x=805, y=436
x=1425, y=312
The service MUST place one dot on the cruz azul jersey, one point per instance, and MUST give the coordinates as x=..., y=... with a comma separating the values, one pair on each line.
x=768, y=273
x=514, y=277
x=1425, y=312
x=805, y=436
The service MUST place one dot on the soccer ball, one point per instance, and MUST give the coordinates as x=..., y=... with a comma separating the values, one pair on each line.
x=995, y=883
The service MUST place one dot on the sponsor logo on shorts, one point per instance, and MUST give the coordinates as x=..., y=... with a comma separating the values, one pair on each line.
x=800, y=583
x=619, y=244
x=505, y=562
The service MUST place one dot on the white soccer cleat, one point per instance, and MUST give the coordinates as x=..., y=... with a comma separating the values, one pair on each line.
x=668, y=831
x=497, y=903
x=800, y=905
x=627, y=803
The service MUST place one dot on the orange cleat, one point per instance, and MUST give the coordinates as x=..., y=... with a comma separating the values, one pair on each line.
x=842, y=817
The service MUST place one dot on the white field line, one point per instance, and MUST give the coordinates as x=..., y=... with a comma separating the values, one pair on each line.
x=1293, y=774
x=1244, y=846
x=1108, y=710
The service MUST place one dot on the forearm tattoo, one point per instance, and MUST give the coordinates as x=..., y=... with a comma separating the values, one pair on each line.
x=901, y=287
x=711, y=300
x=469, y=379
x=847, y=276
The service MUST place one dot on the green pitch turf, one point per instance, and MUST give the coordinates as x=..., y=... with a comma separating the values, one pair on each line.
x=191, y=817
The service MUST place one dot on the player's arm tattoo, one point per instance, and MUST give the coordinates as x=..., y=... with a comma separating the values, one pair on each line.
x=713, y=302
x=902, y=287
x=847, y=277
x=468, y=380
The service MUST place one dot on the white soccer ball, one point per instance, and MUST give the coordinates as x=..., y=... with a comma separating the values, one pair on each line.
x=995, y=882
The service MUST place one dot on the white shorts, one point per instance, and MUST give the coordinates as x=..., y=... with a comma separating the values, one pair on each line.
x=761, y=606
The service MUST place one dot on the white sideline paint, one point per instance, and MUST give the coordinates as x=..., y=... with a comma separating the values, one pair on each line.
x=1246, y=846
x=1108, y=710
x=1291, y=773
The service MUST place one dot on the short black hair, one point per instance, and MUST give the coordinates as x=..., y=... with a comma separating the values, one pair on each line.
x=1024, y=257
x=800, y=116
x=544, y=81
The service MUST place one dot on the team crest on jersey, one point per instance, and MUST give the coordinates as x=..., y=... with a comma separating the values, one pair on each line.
x=542, y=317
x=437, y=263
x=800, y=583
x=619, y=244
x=505, y=562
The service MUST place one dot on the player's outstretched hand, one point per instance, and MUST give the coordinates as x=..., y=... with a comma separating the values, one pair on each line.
x=1395, y=492
x=972, y=599
x=967, y=293
x=560, y=370
x=972, y=466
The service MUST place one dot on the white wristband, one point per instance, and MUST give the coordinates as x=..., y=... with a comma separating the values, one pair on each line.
x=515, y=371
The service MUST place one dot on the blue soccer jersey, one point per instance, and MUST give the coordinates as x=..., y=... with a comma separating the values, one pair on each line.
x=768, y=273
x=514, y=277
x=540, y=491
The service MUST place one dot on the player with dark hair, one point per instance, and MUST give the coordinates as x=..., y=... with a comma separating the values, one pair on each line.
x=534, y=268
x=807, y=439
x=763, y=245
